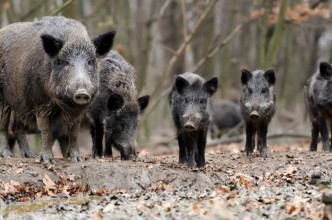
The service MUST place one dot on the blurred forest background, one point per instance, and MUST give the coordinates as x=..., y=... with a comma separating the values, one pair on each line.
x=162, y=38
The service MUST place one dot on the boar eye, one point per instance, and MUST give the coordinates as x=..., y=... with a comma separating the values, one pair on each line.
x=201, y=101
x=250, y=90
x=186, y=100
x=91, y=62
x=264, y=90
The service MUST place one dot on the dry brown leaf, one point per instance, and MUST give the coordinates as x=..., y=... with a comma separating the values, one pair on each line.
x=231, y=196
x=198, y=209
x=70, y=177
x=48, y=183
x=100, y=192
x=9, y=188
x=19, y=170
x=143, y=153
x=223, y=189
x=291, y=209
x=65, y=191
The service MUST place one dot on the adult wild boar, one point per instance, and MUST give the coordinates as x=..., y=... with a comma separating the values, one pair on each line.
x=48, y=75
x=192, y=107
x=257, y=106
x=318, y=95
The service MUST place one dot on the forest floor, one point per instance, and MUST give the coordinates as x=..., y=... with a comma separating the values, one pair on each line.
x=287, y=185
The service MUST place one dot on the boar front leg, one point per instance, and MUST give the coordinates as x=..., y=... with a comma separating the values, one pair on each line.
x=108, y=145
x=250, y=138
x=191, y=144
x=45, y=126
x=23, y=143
x=97, y=133
x=314, y=135
x=73, y=151
x=64, y=145
x=183, y=158
x=325, y=135
x=262, y=146
x=4, y=120
x=201, y=143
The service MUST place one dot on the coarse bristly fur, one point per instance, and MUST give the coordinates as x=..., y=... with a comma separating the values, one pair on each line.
x=318, y=96
x=257, y=107
x=48, y=75
x=116, y=109
x=191, y=106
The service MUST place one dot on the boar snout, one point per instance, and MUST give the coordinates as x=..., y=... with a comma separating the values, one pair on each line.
x=190, y=122
x=254, y=115
x=128, y=152
x=82, y=97
x=189, y=127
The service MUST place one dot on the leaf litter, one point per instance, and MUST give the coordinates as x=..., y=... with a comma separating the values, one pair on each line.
x=285, y=185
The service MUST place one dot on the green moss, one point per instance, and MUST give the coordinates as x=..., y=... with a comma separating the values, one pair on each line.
x=23, y=208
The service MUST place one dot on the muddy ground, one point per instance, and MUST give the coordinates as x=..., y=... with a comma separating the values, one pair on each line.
x=287, y=185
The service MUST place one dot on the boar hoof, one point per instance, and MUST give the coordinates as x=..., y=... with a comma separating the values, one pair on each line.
x=191, y=164
x=29, y=154
x=46, y=158
x=182, y=160
x=97, y=156
x=6, y=153
x=325, y=151
x=313, y=147
x=248, y=153
x=200, y=165
x=326, y=148
x=76, y=159
x=263, y=153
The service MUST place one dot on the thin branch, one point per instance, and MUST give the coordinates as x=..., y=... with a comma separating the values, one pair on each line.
x=216, y=49
x=316, y=4
x=153, y=105
x=62, y=7
x=214, y=42
x=163, y=9
x=183, y=10
x=173, y=60
x=166, y=47
x=160, y=14
x=154, y=37
x=182, y=48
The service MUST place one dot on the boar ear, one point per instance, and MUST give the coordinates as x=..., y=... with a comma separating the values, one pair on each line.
x=245, y=76
x=115, y=102
x=51, y=45
x=270, y=76
x=143, y=102
x=325, y=70
x=211, y=86
x=104, y=42
x=181, y=84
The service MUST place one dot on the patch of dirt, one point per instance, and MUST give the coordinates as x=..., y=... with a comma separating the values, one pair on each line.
x=288, y=184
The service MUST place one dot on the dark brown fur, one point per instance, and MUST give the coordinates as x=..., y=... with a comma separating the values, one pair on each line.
x=33, y=59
